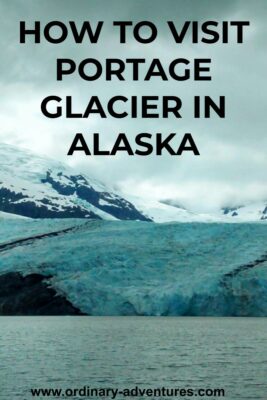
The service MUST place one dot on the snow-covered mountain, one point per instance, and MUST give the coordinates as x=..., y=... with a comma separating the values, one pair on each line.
x=161, y=212
x=38, y=187
x=251, y=212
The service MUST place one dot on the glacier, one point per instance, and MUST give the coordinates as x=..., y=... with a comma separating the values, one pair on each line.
x=139, y=268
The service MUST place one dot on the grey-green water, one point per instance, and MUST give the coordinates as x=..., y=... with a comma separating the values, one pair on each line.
x=122, y=352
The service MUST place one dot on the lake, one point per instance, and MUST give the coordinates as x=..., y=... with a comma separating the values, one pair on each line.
x=129, y=352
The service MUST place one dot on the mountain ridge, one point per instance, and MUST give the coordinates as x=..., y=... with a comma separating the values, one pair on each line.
x=35, y=186
x=43, y=188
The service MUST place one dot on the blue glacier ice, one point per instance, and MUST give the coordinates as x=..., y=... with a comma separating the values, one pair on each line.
x=141, y=268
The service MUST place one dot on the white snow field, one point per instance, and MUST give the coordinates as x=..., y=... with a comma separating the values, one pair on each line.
x=4, y=215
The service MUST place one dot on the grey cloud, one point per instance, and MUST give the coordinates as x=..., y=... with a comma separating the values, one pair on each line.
x=232, y=161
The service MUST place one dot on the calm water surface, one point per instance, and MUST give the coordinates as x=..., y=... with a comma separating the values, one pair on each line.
x=70, y=352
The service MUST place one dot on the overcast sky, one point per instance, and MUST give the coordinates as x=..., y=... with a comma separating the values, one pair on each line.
x=232, y=165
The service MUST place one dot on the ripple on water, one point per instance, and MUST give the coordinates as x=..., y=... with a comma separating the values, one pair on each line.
x=227, y=353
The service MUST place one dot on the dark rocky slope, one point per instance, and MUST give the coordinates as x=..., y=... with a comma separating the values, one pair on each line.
x=31, y=295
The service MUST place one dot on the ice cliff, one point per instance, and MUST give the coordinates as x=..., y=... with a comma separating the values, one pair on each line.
x=139, y=268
